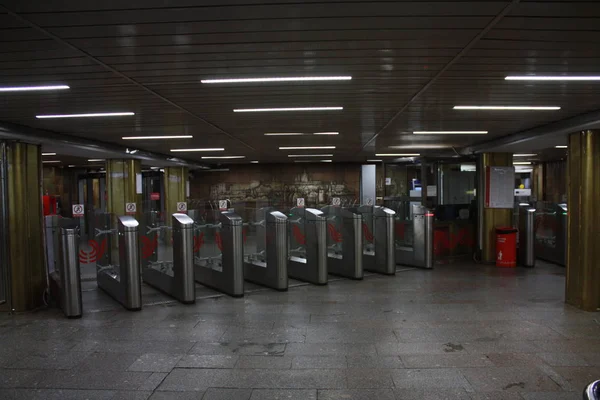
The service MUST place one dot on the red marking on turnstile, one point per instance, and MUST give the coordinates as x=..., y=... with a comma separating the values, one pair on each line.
x=367, y=233
x=298, y=236
x=244, y=234
x=399, y=228
x=219, y=240
x=198, y=242
x=335, y=235
x=444, y=240
x=97, y=252
x=149, y=246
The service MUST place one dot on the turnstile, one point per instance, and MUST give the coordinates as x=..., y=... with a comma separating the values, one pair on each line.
x=526, y=250
x=66, y=271
x=378, y=239
x=415, y=247
x=173, y=274
x=307, y=245
x=266, y=261
x=551, y=232
x=218, y=248
x=344, y=242
x=123, y=282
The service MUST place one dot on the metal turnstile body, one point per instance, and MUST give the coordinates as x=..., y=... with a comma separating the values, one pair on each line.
x=344, y=242
x=378, y=239
x=175, y=278
x=307, y=245
x=526, y=251
x=551, y=232
x=66, y=274
x=418, y=250
x=268, y=265
x=123, y=282
x=219, y=259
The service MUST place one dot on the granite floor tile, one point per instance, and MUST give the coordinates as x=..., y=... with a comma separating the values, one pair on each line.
x=564, y=359
x=227, y=394
x=431, y=394
x=551, y=396
x=56, y=394
x=288, y=394
x=264, y=362
x=329, y=349
x=14, y=378
x=450, y=360
x=153, y=362
x=107, y=361
x=578, y=377
x=389, y=349
x=374, y=361
x=177, y=396
x=520, y=379
x=199, y=380
x=367, y=378
x=53, y=360
x=592, y=359
x=74, y=379
x=132, y=395
x=153, y=381
x=357, y=394
x=239, y=348
x=135, y=346
x=207, y=361
x=498, y=395
x=319, y=362
x=440, y=378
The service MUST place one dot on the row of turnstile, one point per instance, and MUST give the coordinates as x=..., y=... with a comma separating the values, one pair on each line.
x=215, y=250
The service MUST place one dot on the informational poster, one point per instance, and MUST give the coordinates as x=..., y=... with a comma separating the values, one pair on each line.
x=388, y=181
x=499, y=187
x=138, y=183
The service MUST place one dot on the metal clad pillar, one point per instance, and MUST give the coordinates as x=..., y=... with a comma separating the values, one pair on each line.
x=121, y=185
x=175, y=184
x=22, y=265
x=583, y=268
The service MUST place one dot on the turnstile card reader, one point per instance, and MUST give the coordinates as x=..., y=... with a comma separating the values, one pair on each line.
x=307, y=245
x=218, y=247
x=416, y=248
x=344, y=242
x=378, y=239
x=267, y=265
x=175, y=278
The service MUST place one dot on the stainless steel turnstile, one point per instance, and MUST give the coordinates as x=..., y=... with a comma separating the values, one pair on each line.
x=66, y=273
x=526, y=251
x=218, y=247
x=307, y=245
x=123, y=282
x=378, y=239
x=174, y=275
x=344, y=242
x=416, y=247
x=267, y=263
x=551, y=232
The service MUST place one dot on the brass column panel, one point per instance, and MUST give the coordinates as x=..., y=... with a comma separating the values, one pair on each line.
x=175, y=189
x=26, y=263
x=121, y=185
x=583, y=260
x=493, y=217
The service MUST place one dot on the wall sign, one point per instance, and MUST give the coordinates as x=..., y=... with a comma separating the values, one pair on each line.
x=130, y=208
x=182, y=207
x=336, y=202
x=78, y=210
x=300, y=202
x=499, y=187
x=223, y=205
x=155, y=196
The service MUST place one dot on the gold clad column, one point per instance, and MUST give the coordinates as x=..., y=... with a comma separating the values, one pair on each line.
x=490, y=218
x=175, y=190
x=21, y=231
x=583, y=259
x=121, y=186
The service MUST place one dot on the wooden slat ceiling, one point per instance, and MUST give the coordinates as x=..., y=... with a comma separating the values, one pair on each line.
x=459, y=51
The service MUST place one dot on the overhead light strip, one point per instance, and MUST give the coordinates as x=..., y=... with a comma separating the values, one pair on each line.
x=198, y=149
x=326, y=133
x=310, y=155
x=157, y=137
x=88, y=115
x=96, y=159
x=33, y=88
x=284, y=109
x=515, y=108
x=398, y=155
x=50, y=162
x=284, y=134
x=522, y=163
x=561, y=147
x=450, y=132
x=279, y=79
x=48, y=154
x=221, y=157
x=551, y=78
x=374, y=160
x=307, y=148
x=524, y=155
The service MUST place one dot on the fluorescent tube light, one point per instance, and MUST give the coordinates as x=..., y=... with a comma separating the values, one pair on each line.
x=524, y=155
x=49, y=162
x=326, y=160
x=450, y=132
x=284, y=134
x=222, y=157
x=32, y=88
x=48, y=154
x=374, y=160
x=198, y=149
x=518, y=108
x=326, y=133
x=96, y=159
x=551, y=78
x=561, y=147
x=88, y=115
x=310, y=155
x=522, y=163
x=254, y=162
x=288, y=109
x=307, y=148
x=156, y=137
x=398, y=155
x=279, y=79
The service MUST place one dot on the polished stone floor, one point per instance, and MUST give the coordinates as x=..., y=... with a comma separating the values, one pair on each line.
x=457, y=332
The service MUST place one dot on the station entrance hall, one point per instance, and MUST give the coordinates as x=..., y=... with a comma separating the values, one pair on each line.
x=299, y=200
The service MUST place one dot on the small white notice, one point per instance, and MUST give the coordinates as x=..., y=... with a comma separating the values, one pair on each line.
x=336, y=202
x=138, y=183
x=223, y=205
x=369, y=201
x=300, y=202
x=78, y=210
x=130, y=208
x=388, y=181
x=181, y=207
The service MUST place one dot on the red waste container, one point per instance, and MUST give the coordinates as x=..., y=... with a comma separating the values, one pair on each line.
x=506, y=247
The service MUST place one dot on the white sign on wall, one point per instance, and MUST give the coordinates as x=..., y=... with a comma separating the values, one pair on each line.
x=499, y=187
x=369, y=201
x=130, y=208
x=300, y=202
x=181, y=207
x=78, y=210
x=336, y=202
x=223, y=205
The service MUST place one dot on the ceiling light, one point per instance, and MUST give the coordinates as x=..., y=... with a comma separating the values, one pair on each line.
x=326, y=133
x=561, y=147
x=374, y=160
x=222, y=157
x=398, y=155
x=71, y=165
x=551, y=78
x=284, y=134
x=307, y=148
x=199, y=149
x=253, y=162
x=279, y=79
x=32, y=88
x=48, y=154
x=522, y=163
x=288, y=109
x=156, y=137
x=519, y=108
x=88, y=115
x=450, y=132
x=524, y=155
x=96, y=159
x=310, y=155
x=305, y=161
x=326, y=160
x=49, y=162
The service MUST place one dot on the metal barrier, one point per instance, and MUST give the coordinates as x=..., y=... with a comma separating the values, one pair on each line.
x=122, y=282
x=268, y=264
x=66, y=273
x=344, y=242
x=378, y=239
x=551, y=232
x=308, y=245
x=219, y=262
x=176, y=277
x=526, y=251
x=419, y=251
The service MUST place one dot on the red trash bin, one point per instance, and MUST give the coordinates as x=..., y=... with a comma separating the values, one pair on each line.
x=506, y=247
